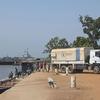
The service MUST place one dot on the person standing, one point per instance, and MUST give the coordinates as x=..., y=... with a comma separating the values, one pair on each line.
x=10, y=75
x=16, y=72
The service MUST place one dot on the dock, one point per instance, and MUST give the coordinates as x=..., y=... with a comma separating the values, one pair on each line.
x=35, y=87
x=6, y=84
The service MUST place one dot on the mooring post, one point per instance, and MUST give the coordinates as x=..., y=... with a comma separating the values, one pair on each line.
x=56, y=70
x=73, y=81
x=67, y=70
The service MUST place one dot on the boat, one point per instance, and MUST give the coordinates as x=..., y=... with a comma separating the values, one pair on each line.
x=3, y=89
x=7, y=84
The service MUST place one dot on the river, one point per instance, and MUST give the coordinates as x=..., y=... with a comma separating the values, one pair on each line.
x=6, y=69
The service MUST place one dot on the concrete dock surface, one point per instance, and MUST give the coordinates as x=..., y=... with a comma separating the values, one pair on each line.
x=35, y=87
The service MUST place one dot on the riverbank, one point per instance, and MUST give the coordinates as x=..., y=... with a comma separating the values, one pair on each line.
x=35, y=86
x=8, y=83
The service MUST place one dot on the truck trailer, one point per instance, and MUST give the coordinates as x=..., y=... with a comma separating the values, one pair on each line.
x=76, y=59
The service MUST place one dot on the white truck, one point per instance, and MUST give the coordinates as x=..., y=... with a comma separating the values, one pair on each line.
x=76, y=59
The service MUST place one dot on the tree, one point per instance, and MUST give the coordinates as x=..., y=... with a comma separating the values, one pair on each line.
x=91, y=27
x=55, y=43
x=82, y=42
x=63, y=43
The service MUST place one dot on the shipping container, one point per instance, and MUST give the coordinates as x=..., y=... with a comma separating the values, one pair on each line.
x=74, y=58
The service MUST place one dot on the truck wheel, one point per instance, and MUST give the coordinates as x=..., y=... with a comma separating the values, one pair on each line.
x=96, y=70
x=63, y=69
x=70, y=70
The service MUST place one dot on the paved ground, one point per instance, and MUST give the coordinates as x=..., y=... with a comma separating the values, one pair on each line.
x=35, y=87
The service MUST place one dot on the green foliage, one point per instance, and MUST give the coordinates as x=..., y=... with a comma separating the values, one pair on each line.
x=55, y=43
x=82, y=42
x=91, y=27
x=63, y=43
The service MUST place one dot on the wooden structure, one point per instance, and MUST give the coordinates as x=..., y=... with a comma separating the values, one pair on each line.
x=27, y=65
x=7, y=84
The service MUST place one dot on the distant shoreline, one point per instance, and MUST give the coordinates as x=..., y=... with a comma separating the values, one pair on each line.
x=8, y=63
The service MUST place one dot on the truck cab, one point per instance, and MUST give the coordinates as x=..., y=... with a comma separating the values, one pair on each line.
x=95, y=56
x=95, y=60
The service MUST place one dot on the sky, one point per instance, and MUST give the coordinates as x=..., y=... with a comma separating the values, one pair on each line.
x=32, y=23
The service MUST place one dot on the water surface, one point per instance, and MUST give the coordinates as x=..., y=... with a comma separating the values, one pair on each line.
x=6, y=69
